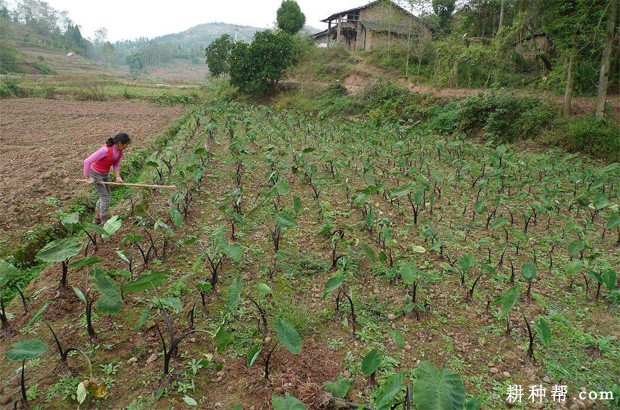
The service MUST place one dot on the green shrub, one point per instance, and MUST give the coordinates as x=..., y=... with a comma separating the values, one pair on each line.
x=443, y=119
x=597, y=137
x=10, y=87
x=9, y=60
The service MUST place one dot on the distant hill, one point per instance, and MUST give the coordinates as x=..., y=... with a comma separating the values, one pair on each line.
x=204, y=34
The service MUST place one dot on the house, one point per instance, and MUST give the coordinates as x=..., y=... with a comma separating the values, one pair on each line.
x=372, y=25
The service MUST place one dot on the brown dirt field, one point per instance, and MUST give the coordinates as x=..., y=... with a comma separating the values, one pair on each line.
x=43, y=144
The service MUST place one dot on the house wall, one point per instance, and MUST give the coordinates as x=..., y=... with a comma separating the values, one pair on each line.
x=384, y=16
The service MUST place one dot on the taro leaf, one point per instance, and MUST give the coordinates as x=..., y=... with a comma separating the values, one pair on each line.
x=81, y=393
x=8, y=272
x=466, y=262
x=36, y=316
x=203, y=286
x=438, y=389
x=253, y=355
x=339, y=388
x=614, y=221
x=474, y=403
x=297, y=204
x=143, y=318
x=575, y=247
x=285, y=220
x=282, y=187
x=600, y=201
x=528, y=271
x=574, y=267
x=263, y=289
x=371, y=362
x=87, y=261
x=400, y=191
x=288, y=335
x=543, y=331
x=141, y=208
x=94, y=227
x=60, y=250
x=499, y=222
x=71, y=219
x=234, y=293
x=408, y=272
x=397, y=337
x=388, y=391
x=171, y=302
x=79, y=294
x=111, y=226
x=417, y=249
x=488, y=269
x=110, y=301
x=507, y=300
x=609, y=279
x=176, y=217
x=287, y=402
x=145, y=282
x=234, y=251
x=368, y=251
x=26, y=349
x=190, y=401
x=222, y=338
x=333, y=283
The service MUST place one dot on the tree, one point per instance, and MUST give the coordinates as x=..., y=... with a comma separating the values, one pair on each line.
x=607, y=51
x=256, y=68
x=290, y=18
x=218, y=55
x=443, y=9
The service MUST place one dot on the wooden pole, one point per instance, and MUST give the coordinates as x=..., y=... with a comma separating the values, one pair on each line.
x=134, y=185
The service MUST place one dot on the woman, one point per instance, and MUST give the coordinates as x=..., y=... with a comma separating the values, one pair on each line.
x=97, y=167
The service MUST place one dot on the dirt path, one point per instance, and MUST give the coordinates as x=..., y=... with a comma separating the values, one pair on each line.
x=364, y=73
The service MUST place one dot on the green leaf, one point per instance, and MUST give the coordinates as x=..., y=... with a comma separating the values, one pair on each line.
x=176, y=217
x=287, y=402
x=111, y=226
x=288, y=335
x=333, y=283
x=388, y=391
x=122, y=255
x=371, y=362
x=8, y=272
x=609, y=279
x=507, y=300
x=369, y=252
x=145, y=282
x=297, y=204
x=38, y=314
x=408, y=271
x=80, y=294
x=171, y=302
x=614, y=221
x=222, y=338
x=26, y=349
x=543, y=331
x=397, y=337
x=60, y=250
x=71, y=219
x=253, y=355
x=528, y=271
x=339, y=388
x=143, y=318
x=574, y=267
x=87, y=261
x=285, y=220
x=234, y=293
x=575, y=247
x=474, y=403
x=110, y=300
x=234, y=251
x=438, y=389
x=263, y=289
x=189, y=401
x=466, y=262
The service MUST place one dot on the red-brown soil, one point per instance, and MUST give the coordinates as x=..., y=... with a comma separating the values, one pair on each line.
x=44, y=142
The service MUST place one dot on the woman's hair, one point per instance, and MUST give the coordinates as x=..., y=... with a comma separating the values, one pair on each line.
x=118, y=138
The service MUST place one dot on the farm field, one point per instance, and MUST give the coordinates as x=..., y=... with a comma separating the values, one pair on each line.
x=43, y=144
x=312, y=258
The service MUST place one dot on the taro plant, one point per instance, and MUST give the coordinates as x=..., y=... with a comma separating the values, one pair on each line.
x=9, y=277
x=411, y=276
x=507, y=301
x=220, y=249
x=337, y=282
x=20, y=352
x=528, y=271
x=109, y=301
x=286, y=335
x=543, y=331
x=282, y=220
x=370, y=364
x=60, y=251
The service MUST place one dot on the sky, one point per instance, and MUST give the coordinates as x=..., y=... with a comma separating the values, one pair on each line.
x=130, y=19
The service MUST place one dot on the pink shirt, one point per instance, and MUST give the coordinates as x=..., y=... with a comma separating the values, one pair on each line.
x=102, y=153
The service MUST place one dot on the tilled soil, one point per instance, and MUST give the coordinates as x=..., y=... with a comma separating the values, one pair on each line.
x=43, y=144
